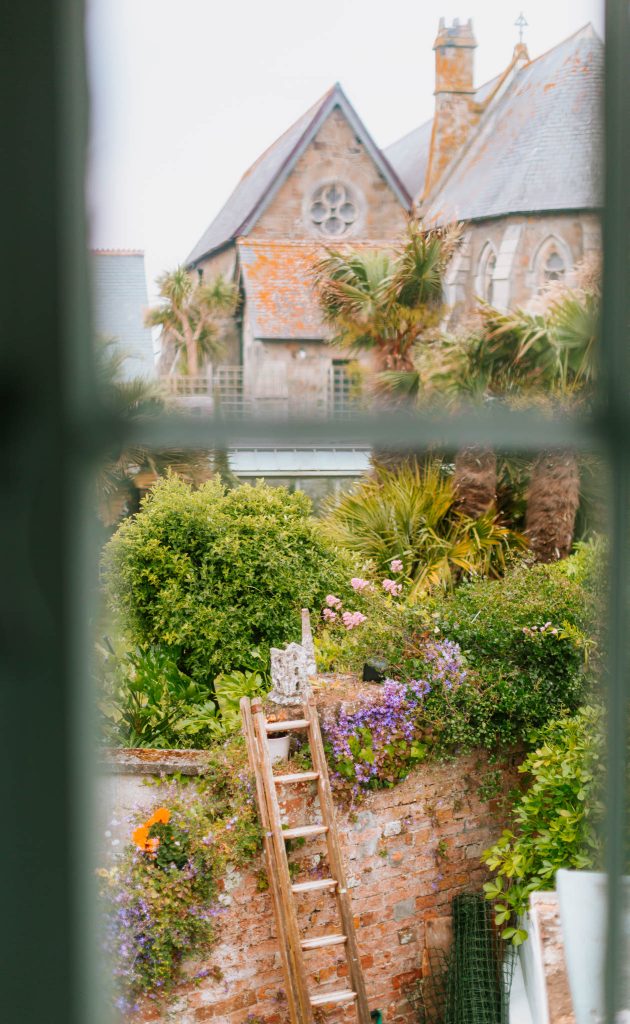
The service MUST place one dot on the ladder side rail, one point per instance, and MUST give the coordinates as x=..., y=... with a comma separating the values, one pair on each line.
x=288, y=968
x=280, y=865
x=336, y=862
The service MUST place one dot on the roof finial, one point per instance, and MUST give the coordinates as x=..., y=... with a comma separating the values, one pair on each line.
x=521, y=23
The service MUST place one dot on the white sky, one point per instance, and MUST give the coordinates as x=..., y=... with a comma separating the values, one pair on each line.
x=187, y=93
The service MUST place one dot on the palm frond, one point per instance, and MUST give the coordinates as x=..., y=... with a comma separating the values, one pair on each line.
x=411, y=513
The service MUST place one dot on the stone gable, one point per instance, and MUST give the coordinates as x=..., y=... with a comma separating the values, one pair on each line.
x=335, y=154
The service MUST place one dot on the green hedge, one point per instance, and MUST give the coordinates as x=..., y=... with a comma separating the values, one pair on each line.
x=215, y=577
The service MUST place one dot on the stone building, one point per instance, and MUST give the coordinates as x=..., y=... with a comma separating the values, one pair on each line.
x=516, y=160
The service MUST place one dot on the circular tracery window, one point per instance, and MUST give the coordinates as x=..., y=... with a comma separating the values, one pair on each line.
x=333, y=209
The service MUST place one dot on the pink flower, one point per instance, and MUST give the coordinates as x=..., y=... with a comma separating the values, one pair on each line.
x=332, y=601
x=392, y=587
x=396, y=565
x=358, y=584
x=329, y=615
x=352, y=619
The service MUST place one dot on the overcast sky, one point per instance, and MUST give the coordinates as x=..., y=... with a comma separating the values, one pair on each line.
x=187, y=93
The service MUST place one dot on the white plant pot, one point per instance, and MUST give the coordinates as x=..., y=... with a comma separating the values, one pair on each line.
x=279, y=747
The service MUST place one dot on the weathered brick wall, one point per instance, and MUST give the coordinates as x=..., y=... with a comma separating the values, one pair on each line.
x=408, y=850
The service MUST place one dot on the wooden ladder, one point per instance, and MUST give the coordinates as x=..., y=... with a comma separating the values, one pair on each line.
x=292, y=946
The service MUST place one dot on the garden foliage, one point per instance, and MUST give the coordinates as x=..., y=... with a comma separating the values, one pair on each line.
x=215, y=578
x=483, y=667
x=554, y=822
x=412, y=514
x=146, y=701
x=160, y=899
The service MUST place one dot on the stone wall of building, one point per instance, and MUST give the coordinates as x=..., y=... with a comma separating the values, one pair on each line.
x=512, y=253
x=407, y=850
x=335, y=154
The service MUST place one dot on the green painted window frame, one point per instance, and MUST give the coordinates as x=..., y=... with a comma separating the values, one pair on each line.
x=56, y=430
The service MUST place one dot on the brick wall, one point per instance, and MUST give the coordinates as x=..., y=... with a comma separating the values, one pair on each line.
x=407, y=851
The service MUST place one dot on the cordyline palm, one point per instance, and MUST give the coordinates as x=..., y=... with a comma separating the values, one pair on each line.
x=550, y=359
x=190, y=316
x=519, y=356
x=383, y=302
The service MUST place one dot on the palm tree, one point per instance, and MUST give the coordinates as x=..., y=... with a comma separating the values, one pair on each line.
x=190, y=316
x=548, y=358
x=384, y=302
x=412, y=515
x=445, y=369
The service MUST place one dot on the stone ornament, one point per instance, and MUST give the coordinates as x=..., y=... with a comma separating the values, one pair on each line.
x=289, y=674
x=292, y=667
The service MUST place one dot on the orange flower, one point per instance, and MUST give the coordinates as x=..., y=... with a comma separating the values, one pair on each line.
x=141, y=836
x=162, y=815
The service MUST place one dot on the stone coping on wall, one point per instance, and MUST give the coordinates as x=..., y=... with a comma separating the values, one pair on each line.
x=142, y=761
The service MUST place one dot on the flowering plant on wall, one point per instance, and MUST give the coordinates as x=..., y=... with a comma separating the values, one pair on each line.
x=379, y=742
x=161, y=899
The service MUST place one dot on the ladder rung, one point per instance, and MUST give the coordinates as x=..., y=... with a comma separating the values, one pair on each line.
x=288, y=726
x=304, y=830
x=316, y=886
x=340, y=996
x=323, y=940
x=284, y=780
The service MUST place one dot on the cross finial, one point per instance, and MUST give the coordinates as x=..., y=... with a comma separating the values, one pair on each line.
x=521, y=24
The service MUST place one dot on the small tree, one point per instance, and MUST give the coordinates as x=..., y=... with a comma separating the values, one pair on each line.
x=190, y=315
x=384, y=302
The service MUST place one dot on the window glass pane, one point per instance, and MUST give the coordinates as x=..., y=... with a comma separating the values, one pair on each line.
x=319, y=402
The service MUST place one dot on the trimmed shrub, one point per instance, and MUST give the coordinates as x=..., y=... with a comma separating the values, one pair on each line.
x=215, y=578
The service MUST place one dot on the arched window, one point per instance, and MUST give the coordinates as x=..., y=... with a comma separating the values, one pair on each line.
x=551, y=263
x=485, y=273
x=554, y=268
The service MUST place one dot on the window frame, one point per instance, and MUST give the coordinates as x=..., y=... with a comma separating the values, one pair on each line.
x=56, y=431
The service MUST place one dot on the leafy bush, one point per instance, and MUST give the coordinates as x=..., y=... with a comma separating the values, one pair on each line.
x=160, y=898
x=411, y=514
x=216, y=578
x=146, y=701
x=554, y=822
x=523, y=667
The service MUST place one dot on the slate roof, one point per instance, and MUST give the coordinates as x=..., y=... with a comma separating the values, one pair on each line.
x=277, y=279
x=119, y=290
x=538, y=146
x=260, y=183
x=410, y=156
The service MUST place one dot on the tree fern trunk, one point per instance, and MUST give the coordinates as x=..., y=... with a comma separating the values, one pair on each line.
x=552, y=503
x=475, y=480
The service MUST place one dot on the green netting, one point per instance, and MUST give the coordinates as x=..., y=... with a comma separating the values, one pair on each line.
x=471, y=983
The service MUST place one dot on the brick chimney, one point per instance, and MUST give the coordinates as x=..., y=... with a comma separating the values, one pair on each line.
x=455, y=112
